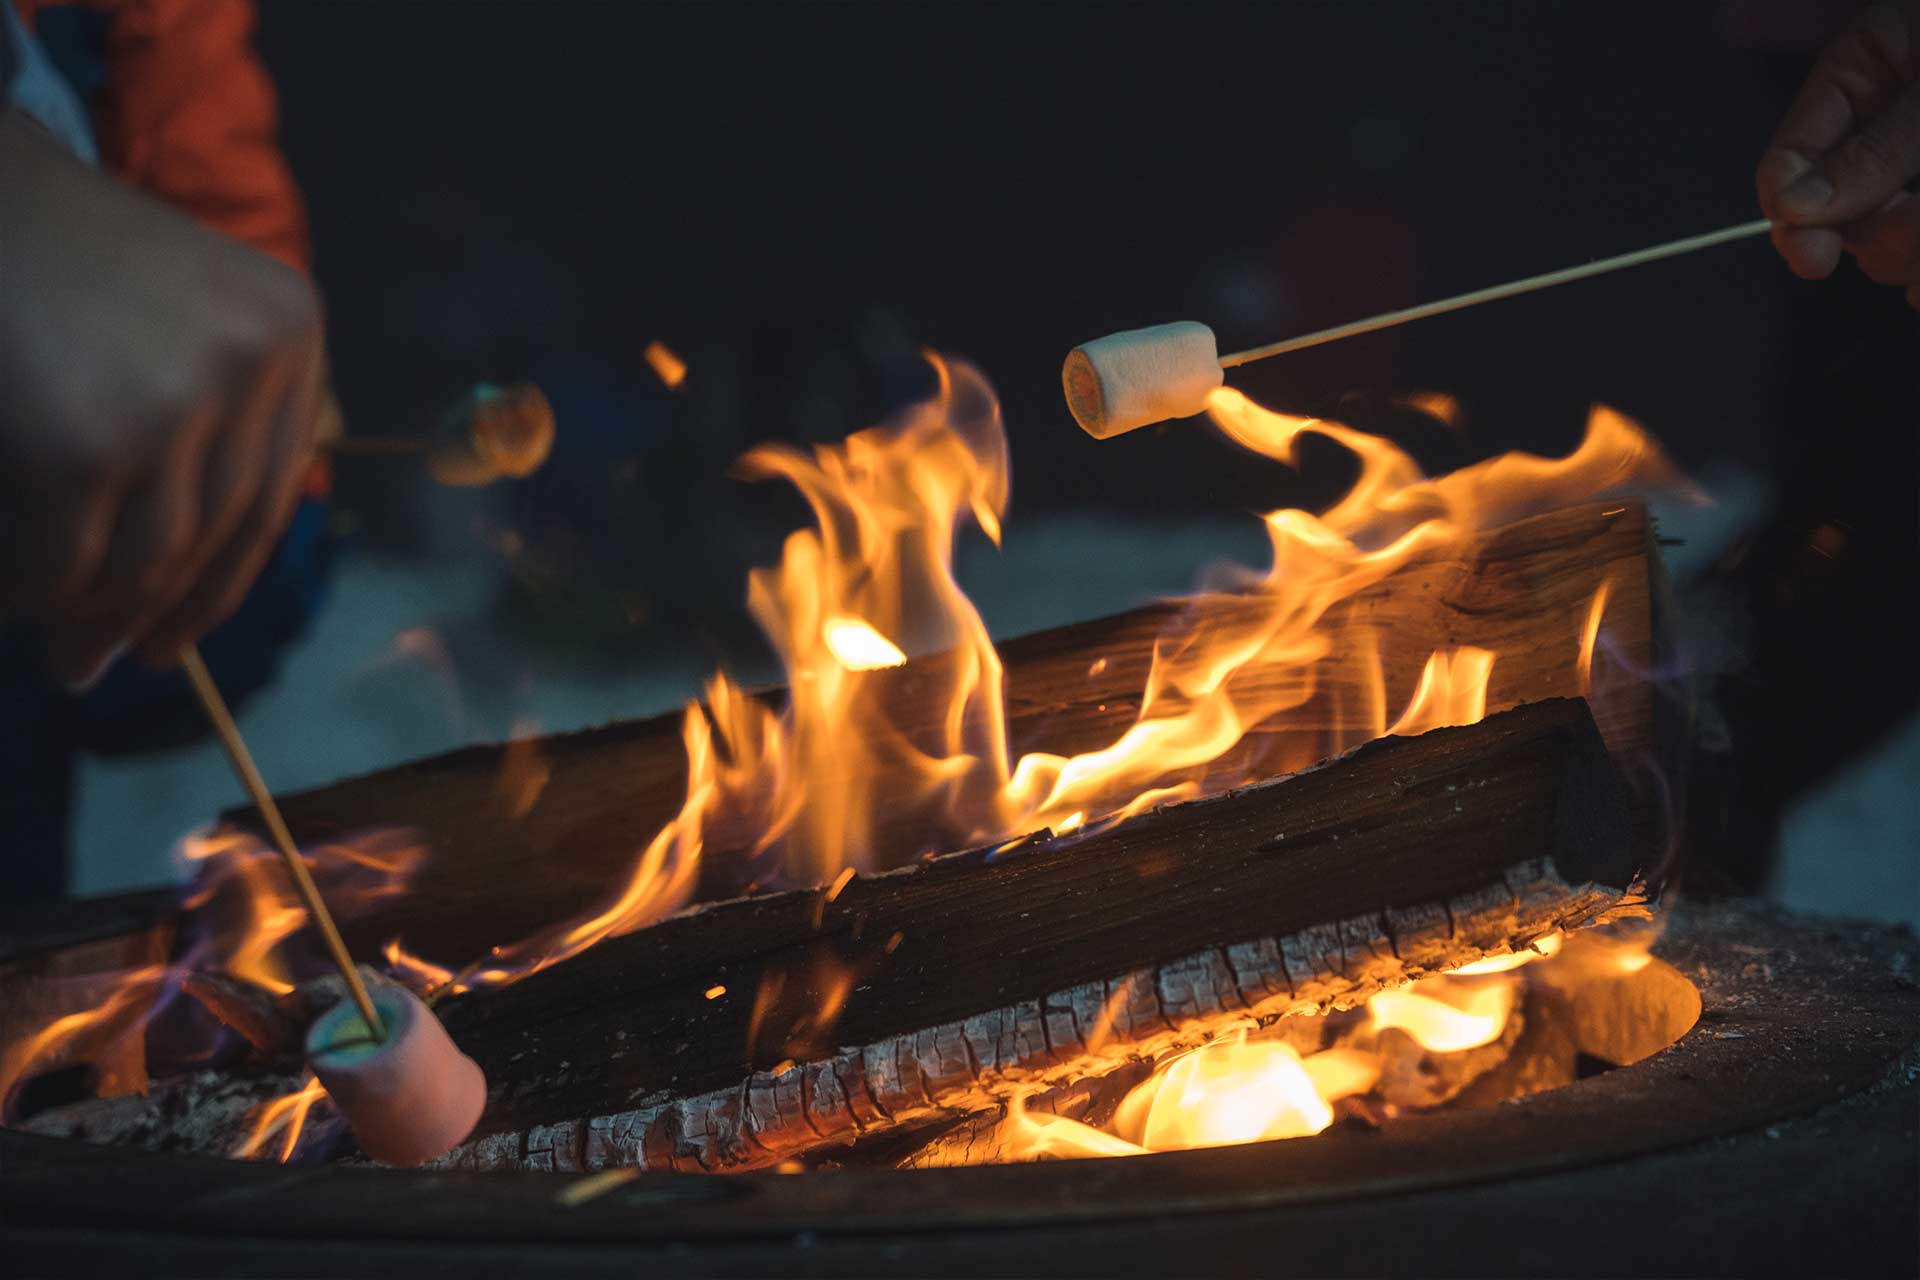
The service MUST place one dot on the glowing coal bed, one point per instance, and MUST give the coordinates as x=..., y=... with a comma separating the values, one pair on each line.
x=1505, y=1027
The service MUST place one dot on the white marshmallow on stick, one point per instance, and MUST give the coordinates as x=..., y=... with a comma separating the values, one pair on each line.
x=1128, y=380
x=408, y=1098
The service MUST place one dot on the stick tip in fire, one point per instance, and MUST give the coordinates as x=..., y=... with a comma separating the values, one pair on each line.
x=409, y=1098
x=1141, y=376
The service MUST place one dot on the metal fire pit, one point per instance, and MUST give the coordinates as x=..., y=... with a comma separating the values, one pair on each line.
x=1781, y=1134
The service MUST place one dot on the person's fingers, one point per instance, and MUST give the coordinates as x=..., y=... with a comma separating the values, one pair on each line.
x=1811, y=252
x=237, y=461
x=1863, y=172
x=1887, y=244
x=231, y=572
x=141, y=569
x=1852, y=136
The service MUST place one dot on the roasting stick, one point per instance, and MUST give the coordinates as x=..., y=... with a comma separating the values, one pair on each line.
x=374, y=446
x=1142, y=376
x=491, y=433
x=216, y=708
x=1512, y=289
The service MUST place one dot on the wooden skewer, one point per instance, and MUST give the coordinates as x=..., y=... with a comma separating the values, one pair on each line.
x=249, y=775
x=374, y=446
x=1512, y=289
x=330, y=435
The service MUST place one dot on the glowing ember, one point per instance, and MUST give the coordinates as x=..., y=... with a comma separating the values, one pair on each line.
x=1436, y=404
x=671, y=369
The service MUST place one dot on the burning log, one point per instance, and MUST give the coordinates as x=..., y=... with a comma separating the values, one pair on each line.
x=1530, y=592
x=715, y=1039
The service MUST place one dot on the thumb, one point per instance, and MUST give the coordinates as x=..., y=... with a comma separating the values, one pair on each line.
x=1861, y=174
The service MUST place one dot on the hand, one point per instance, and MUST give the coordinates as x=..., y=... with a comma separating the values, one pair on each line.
x=158, y=389
x=1835, y=175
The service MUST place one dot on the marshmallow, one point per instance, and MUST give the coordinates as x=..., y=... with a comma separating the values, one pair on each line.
x=1142, y=376
x=496, y=432
x=408, y=1098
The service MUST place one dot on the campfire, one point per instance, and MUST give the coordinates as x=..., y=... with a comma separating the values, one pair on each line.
x=1372, y=831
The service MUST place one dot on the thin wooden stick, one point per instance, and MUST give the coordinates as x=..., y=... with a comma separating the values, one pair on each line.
x=374, y=446
x=249, y=775
x=1512, y=289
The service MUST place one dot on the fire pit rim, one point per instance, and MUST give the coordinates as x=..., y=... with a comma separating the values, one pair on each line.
x=1756, y=1056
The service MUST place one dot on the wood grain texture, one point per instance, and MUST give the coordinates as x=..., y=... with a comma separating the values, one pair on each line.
x=954, y=982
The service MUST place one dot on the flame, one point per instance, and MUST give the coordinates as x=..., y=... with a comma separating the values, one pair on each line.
x=63, y=1038
x=242, y=913
x=1252, y=1086
x=1590, y=635
x=1542, y=948
x=1232, y=1090
x=816, y=785
x=287, y=1115
x=671, y=369
x=1443, y=1017
x=1228, y=1091
x=1435, y=404
x=862, y=750
x=1452, y=690
x=858, y=647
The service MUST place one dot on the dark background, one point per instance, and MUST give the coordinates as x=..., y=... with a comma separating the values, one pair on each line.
x=795, y=197
x=791, y=194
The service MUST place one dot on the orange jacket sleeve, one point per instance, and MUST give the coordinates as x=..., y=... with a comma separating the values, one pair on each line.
x=188, y=114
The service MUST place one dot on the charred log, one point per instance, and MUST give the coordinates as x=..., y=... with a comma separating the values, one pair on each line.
x=965, y=979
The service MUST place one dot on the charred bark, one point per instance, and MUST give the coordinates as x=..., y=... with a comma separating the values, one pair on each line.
x=944, y=988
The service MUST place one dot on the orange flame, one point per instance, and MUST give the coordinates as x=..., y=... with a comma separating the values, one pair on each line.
x=1445, y=1018
x=871, y=581
x=1254, y=1088
x=285, y=1115
x=63, y=1039
x=244, y=909
x=670, y=368
x=1590, y=635
x=813, y=785
x=1232, y=1090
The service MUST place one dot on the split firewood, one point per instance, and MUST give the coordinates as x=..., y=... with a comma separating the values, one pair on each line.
x=1522, y=591
x=950, y=986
